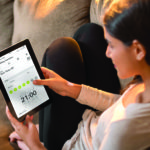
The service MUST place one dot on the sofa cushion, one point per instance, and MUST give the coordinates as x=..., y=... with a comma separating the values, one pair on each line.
x=97, y=11
x=6, y=23
x=44, y=21
x=6, y=29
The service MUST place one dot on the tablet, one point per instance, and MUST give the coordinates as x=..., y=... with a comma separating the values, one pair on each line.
x=18, y=68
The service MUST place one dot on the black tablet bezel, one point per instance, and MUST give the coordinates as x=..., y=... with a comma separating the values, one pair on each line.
x=26, y=42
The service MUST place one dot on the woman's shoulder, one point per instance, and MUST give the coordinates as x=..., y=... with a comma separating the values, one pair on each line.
x=131, y=95
x=135, y=110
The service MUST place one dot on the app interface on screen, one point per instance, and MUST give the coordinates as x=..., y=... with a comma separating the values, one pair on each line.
x=17, y=72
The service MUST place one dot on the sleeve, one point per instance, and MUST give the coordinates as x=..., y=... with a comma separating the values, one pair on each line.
x=95, y=98
x=131, y=133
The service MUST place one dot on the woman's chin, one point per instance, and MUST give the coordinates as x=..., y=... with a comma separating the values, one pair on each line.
x=123, y=77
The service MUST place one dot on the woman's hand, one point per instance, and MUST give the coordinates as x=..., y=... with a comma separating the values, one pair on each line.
x=58, y=84
x=14, y=137
x=53, y=81
x=28, y=133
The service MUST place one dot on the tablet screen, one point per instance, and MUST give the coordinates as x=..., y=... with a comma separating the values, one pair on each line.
x=17, y=72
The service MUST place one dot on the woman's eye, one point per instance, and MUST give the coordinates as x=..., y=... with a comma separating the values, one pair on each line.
x=111, y=46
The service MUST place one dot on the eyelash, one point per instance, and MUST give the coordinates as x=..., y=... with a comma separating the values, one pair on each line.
x=110, y=46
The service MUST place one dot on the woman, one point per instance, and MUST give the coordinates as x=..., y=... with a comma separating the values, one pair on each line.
x=125, y=123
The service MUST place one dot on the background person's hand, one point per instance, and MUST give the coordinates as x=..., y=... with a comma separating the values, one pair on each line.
x=28, y=133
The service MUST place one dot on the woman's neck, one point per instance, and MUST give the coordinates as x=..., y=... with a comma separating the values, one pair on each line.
x=146, y=93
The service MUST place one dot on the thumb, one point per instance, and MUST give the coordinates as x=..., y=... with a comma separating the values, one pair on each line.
x=40, y=82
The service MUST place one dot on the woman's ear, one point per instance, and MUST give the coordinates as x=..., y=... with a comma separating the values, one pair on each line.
x=139, y=50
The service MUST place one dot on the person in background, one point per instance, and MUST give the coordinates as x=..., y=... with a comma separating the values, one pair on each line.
x=125, y=121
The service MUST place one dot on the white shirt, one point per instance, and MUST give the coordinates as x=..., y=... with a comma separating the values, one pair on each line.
x=117, y=128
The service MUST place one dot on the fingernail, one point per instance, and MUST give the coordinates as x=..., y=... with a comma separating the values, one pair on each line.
x=31, y=117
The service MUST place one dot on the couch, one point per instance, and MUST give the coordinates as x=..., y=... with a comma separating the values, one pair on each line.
x=41, y=21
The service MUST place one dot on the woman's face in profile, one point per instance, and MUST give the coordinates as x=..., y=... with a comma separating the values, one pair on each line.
x=122, y=56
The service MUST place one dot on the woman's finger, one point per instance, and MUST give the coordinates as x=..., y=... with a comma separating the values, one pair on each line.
x=45, y=71
x=22, y=145
x=49, y=73
x=28, y=120
x=14, y=136
x=41, y=82
x=9, y=115
x=18, y=126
